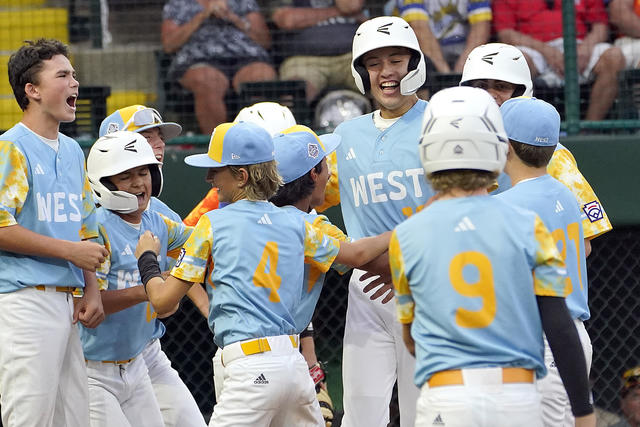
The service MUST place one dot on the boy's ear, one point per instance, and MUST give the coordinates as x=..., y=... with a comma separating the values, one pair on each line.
x=314, y=175
x=32, y=91
x=243, y=177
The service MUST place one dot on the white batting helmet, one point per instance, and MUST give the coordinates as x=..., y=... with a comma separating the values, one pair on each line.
x=271, y=116
x=498, y=61
x=115, y=153
x=462, y=129
x=388, y=31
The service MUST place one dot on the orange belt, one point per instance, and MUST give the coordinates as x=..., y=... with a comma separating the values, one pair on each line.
x=66, y=289
x=115, y=362
x=260, y=345
x=454, y=377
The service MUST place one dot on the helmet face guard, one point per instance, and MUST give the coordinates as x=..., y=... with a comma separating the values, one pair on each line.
x=115, y=153
x=462, y=129
x=388, y=31
x=271, y=116
x=498, y=61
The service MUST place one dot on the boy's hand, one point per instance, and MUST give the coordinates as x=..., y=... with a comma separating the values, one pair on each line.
x=88, y=309
x=147, y=242
x=87, y=255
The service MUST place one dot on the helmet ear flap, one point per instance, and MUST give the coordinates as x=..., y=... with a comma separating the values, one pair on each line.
x=364, y=76
x=156, y=180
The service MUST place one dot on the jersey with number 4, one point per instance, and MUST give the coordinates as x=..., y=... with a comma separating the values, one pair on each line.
x=557, y=207
x=462, y=270
x=382, y=181
x=255, y=254
x=48, y=193
x=124, y=334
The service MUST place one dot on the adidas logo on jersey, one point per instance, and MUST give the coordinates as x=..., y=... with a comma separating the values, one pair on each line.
x=465, y=225
x=559, y=207
x=38, y=170
x=351, y=154
x=127, y=251
x=264, y=219
x=437, y=421
x=261, y=380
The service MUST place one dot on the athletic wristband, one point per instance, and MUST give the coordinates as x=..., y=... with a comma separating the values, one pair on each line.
x=148, y=267
x=317, y=374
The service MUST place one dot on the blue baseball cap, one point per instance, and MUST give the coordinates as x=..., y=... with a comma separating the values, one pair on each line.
x=299, y=149
x=238, y=144
x=531, y=121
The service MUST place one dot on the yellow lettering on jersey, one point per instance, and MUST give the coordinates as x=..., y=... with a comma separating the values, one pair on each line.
x=151, y=314
x=408, y=210
x=483, y=288
x=269, y=279
x=573, y=234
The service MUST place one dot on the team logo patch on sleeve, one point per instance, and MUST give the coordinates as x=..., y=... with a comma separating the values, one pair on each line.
x=180, y=257
x=593, y=211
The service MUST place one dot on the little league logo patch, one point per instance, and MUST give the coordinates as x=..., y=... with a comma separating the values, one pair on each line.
x=313, y=150
x=180, y=257
x=113, y=127
x=593, y=211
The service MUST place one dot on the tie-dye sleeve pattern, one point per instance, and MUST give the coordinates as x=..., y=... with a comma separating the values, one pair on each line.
x=404, y=299
x=564, y=168
x=192, y=261
x=322, y=223
x=550, y=271
x=178, y=233
x=320, y=249
x=89, y=229
x=332, y=191
x=102, y=272
x=14, y=185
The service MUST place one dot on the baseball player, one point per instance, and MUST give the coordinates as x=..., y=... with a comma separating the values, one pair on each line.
x=176, y=401
x=470, y=306
x=255, y=253
x=379, y=187
x=124, y=174
x=502, y=70
x=46, y=216
x=533, y=129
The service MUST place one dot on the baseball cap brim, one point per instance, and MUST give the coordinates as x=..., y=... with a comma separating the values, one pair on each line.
x=331, y=141
x=202, y=161
x=169, y=129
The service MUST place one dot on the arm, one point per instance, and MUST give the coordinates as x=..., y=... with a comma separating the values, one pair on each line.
x=598, y=34
x=89, y=310
x=198, y=295
x=479, y=33
x=257, y=29
x=554, y=57
x=120, y=299
x=297, y=18
x=622, y=16
x=173, y=36
x=567, y=352
x=430, y=45
x=408, y=339
x=362, y=251
x=84, y=254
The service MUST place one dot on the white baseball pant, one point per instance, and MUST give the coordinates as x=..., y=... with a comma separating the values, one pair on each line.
x=176, y=402
x=218, y=373
x=373, y=358
x=43, y=380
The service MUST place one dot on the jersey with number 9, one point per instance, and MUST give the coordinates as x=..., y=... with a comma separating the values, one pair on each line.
x=462, y=270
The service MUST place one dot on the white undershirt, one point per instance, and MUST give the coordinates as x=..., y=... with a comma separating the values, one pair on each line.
x=53, y=143
x=382, y=123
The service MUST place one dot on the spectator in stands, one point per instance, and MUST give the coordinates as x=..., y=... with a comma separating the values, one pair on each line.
x=217, y=45
x=630, y=403
x=316, y=41
x=535, y=27
x=447, y=32
x=625, y=15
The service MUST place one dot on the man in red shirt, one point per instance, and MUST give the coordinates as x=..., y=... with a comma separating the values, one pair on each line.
x=535, y=27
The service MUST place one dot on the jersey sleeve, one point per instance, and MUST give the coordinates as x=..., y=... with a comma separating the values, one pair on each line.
x=178, y=233
x=404, y=299
x=332, y=191
x=102, y=272
x=549, y=272
x=320, y=249
x=322, y=223
x=14, y=185
x=192, y=261
x=209, y=203
x=412, y=10
x=89, y=229
x=479, y=11
x=564, y=168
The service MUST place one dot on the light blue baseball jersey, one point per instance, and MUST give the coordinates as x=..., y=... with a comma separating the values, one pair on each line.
x=462, y=270
x=381, y=178
x=161, y=207
x=124, y=334
x=255, y=254
x=313, y=277
x=559, y=210
x=48, y=193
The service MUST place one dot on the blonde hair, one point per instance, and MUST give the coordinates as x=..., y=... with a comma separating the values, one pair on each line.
x=464, y=179
x=263, y=180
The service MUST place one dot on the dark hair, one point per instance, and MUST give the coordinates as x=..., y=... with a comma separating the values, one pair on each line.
x=464, y=179
x=296, y=190
x=25, y=65
x=533, y=155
